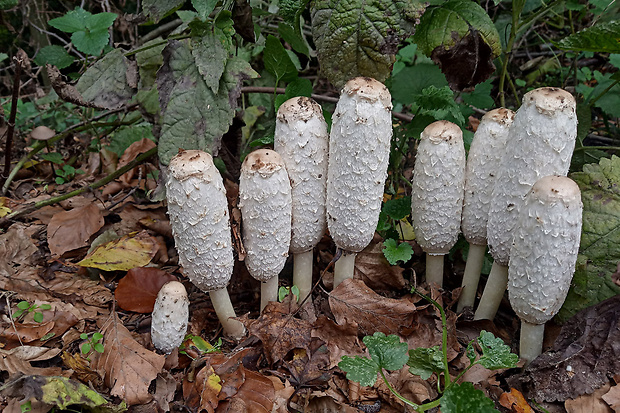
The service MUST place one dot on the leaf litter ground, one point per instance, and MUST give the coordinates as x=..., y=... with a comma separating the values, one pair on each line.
x=289, y=359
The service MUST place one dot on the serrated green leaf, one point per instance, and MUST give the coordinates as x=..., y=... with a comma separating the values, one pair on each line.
x=464, y=398
x=211, y=56
x=439, y=103
x=599, y=253
x=495, y=353
x=158, y=9
x=290, y=8
x=411, y=80
x=481, y=96
x=600, y=38
x=54, y=55
x=204, y=7
x=264, y=141
x=105, y=83
x=424, y=362
x=73, y=21
x=360, y=38
x=388, y=352
x=471, y=352
x=193, y=116
x=277, y=61
x=100, y=21
x=360, y=369
x=398, y=208
x=91, y=42
x=394, y=252
x=90, y=31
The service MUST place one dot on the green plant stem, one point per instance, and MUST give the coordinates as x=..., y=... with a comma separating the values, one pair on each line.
x=10, y=130
x=408, y=402
x=150, y=46
x=600, y=95
x=603, y=148
x=139, y=159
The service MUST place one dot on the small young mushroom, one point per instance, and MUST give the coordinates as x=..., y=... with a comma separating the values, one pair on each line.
x=265, y=203
x=437, y=193
x=483, y=162
x=170, y=316
x=198, y=211
x=302, y=140
x=540, y=143
x=359, y=151
x=543, y=257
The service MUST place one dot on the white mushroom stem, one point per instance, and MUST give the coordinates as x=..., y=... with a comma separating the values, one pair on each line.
x=344, y=267
x=302, y=273
x=493, y=292
x=359, y=152
x=265, y=204
x=302, y=141
x=531, y=342
x=471, y=277
x=437, y=193
x=540, y=143
x=199, y=218
x=483, y=164
x=226, y=313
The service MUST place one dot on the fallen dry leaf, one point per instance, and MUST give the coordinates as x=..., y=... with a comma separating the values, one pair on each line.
x=591, y=403
x=353, y=300
x=18, y=359
x=341, y=340
x=165, y=389
x=515, y=401
x=612, y=398
x=70, y=230
x=126, y=366
x=138, y=290
x=256, y=395
x=375, y=270
x=135, y=149
x=280, y=332
x=127, y=252
x=81, y=369
x=17, y=249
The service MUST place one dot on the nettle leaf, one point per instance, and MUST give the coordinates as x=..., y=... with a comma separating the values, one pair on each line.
x=158, y=9
x=461, y=38
x=193, y=116
x=54, y=55
x=394, y=252
x=360, y=369
x=289, y=9
x=105, y=84
x=424, y=362
x=481, y=96
x=464, y=398
x=495, y=353
x=204, y=7
x=277, y=60
x=388, y=352
x=90, y=31
x=211, y=56
x=600, y=38
x=439, y=103
x=411, y=80
x=73, y=21
x=600, y=236
x=360, y=38
x=398, y=208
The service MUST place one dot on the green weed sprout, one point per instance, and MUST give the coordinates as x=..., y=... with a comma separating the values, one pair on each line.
x=284, y=291
x=24, y=307
x=389, y=353
x=92, y=343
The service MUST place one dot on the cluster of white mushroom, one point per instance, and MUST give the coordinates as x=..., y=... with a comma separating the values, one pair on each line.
x=314, y=179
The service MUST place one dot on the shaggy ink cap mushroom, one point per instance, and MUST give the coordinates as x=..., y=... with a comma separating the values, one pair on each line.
x=198, y=210
x=301, y=138
x=543, y=256
x=437, y=193
x=359, y=150
x=483, y=163
x=265, y=204
x=170, y=317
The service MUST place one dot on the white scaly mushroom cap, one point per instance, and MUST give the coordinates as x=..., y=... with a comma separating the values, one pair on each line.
x=302, y=140
x=483, y=164
x=170, y=316
x=544, y=252
x=359, y=150
x=265, y=203
x=540, y=143
x=437, y=187
x=198, y=211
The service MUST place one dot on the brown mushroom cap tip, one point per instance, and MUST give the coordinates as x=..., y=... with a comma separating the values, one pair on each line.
x=553, y=188
x=191, y=163
x=263, y=161
x=500, y=115
x=300, y=108
x=550, y=99
x=442, y=130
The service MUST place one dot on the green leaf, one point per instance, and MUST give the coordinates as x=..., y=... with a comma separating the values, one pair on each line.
x=99, y=348
x=471, y=352
x=411, y=80
x=388, y=352
x=440, y=104
x=105, y=83
x=54, y=55
x=204, y=7
x=158, y=9
x=23, y=305
x=91, y=42
x=424, y=362
x=398, y=208
x=599, y=253
x=464, y=398
x=360, y=369
x=90, y=31
x=4, y=56
x=73, y=21
x=97, y=336
x=194, y=117
x=83, y=336
x=8, y=4
x=293, y=38
x=125, y=136
x=63, y=392
x=289, y=9
x=394, y=252
x=211, y=56
x=298, y=87
x=100, y=21
x=38, y=317
x=481, y=96
x=495, y=354
x=45, y=307
x=600, y=38
x=85, y=348
x=361, y=38
x=264, y=141
x=277, y=61
x=53, y=157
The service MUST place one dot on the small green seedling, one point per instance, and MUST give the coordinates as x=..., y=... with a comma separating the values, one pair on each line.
x=92, y=343
x=389, y=353
x=25, y=308
x=200, y=344
x=66, y=174
x=284, y=291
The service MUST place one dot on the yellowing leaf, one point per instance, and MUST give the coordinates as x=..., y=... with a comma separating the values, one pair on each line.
x=405, y=230
x=4, y=210
x=130, y=251
x=214, y=383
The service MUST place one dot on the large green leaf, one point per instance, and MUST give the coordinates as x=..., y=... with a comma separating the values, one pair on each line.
x=464, y=398
x=459, y=36
x=193, y=116
x=601, y=38
x=158, y=9
x=360, y=38
x=599, y=252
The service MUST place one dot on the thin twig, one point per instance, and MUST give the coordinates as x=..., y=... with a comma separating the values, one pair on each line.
x=11, y=123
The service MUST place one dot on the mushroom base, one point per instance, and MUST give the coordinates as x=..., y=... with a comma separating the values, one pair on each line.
x=471, y=277
x=493, y=292
x=530, y=345
x=344, y=267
